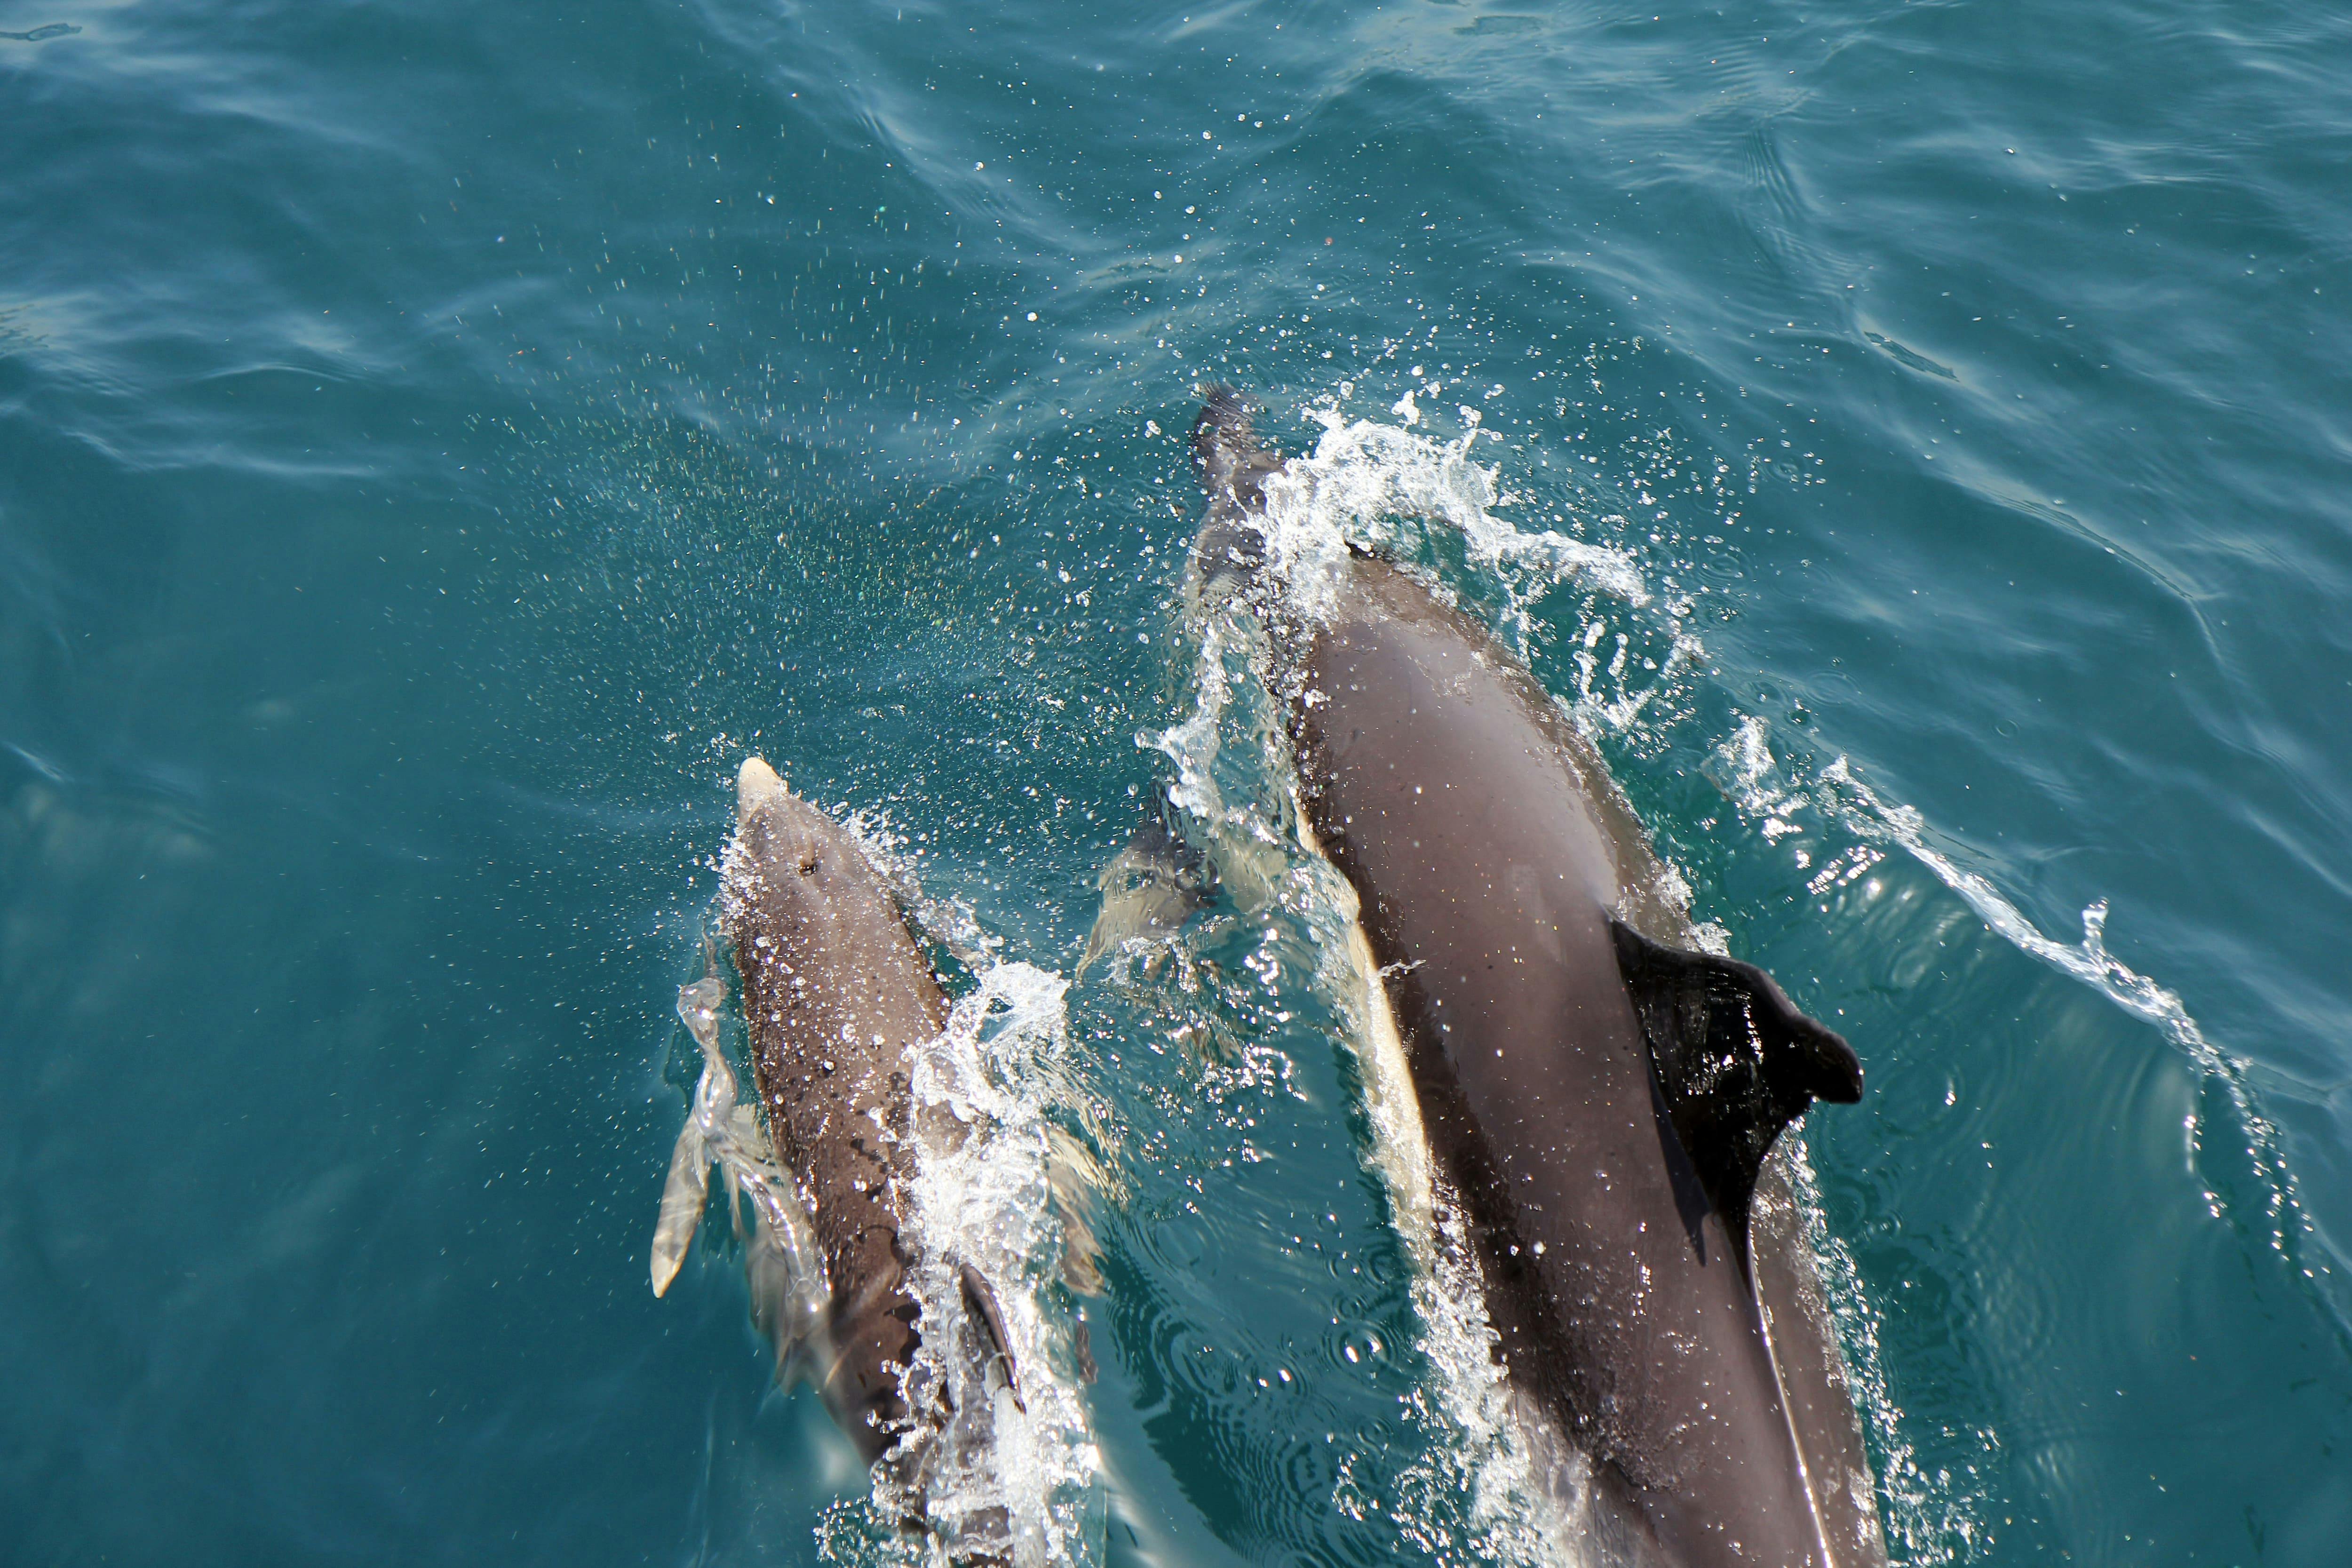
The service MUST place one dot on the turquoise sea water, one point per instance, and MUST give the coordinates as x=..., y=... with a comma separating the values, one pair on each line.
x=438, y=442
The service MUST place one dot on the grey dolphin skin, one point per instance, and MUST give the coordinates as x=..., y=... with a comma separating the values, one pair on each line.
x=1599, y=1100
x=836, y=996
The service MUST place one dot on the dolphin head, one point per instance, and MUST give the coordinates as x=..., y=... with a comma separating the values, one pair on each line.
x=778, y=829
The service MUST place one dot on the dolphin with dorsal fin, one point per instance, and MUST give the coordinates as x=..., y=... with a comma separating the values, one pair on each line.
x=836, y=996
x=1597, y=1099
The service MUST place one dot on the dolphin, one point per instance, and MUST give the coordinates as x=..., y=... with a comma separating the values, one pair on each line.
x=1596, y=1098
x=836, y=994
x=1155, y=883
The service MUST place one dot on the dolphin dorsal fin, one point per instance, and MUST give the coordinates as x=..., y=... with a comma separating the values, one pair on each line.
x=1736, y=1063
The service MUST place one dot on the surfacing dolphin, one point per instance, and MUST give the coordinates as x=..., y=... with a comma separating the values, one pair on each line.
x=836, y=996
x=1596, y=1099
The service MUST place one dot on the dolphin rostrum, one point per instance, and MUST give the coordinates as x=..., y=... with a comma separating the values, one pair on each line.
x=1596, y=1099
x=837, y=997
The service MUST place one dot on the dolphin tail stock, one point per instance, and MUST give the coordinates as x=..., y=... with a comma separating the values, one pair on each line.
x=1736, y=1062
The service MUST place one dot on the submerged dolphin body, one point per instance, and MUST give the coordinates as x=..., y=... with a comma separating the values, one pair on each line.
x=1155, y=884
x=1597, y=1102
x=836, y=996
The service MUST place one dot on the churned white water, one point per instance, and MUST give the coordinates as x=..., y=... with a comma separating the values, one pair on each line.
x=982, y=1197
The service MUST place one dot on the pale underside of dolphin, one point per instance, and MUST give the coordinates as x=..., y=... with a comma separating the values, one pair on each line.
x=1553, y=1061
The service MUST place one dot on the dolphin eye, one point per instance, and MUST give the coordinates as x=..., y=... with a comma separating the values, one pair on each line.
x=808, y=864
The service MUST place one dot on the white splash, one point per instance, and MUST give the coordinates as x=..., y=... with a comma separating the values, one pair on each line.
x=1364, y=480
x=1191, y=743
x=1527, y=1493
x=2089, y=962
x=1017, y=1457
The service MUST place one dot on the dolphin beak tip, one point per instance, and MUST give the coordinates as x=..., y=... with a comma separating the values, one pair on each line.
x=756, y=784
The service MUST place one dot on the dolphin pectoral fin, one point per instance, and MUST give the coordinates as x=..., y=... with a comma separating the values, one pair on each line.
x=1074, y=1179
x=689, y=1187
x=1736, y=1063
x=980, y=1299
x=683, y=1195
